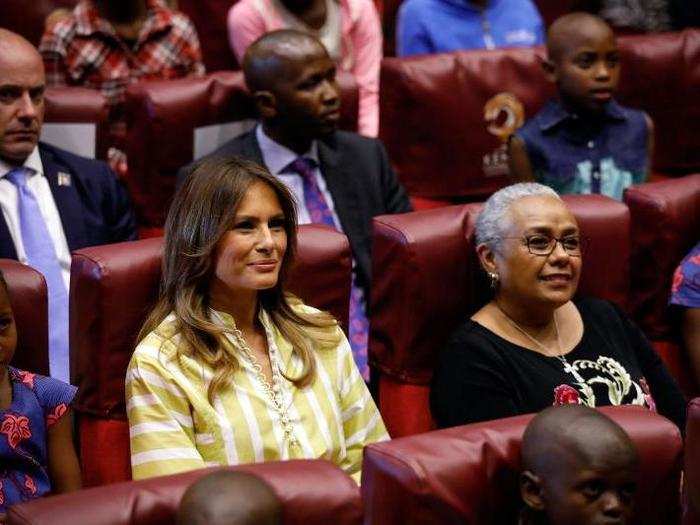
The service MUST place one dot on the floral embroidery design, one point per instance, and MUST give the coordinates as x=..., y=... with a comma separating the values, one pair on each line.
x=27, y=378
x=566, y=395
x=607, y=376
x=677, y=280
x=56, y=414
x=29, y=484
x=16, y=428
x=2, y=495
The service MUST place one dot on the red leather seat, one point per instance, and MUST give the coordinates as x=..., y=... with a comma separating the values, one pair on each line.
x=441, y=147
x=29, y=301
x=163, y=116
x=665, y=226
x=469, y=474
x=113, y=288
x=27, y=18
x=311, y=493
x=80, y=105
x=427, y=279
x=209, y=18
x=691, y=511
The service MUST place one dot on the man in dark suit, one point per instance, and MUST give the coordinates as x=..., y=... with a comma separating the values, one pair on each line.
x=338, y=178
x=52, y=201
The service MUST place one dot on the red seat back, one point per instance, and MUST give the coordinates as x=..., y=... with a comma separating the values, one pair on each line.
x=29, y=301
x=209, y=18
x=80, y=105
x=691, y=512
x=469, y=474
x=163, y=116
x=665, y=226
x=441, y=146
x=113, y=288
x=427, y=279
x=311, y=492
x=27, y=18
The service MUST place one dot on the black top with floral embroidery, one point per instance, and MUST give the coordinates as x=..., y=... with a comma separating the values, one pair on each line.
x=481, y=376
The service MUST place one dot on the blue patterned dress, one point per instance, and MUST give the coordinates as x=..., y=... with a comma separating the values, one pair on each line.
x=37, y=403
x=685, y=290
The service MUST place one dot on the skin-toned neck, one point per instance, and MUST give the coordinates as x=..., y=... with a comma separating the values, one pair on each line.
x=527, y=315
x=288, y=138
x=5, y=388
x=242, y=305
x=123, y=11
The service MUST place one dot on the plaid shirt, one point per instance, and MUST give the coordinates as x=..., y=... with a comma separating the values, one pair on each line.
x=85, y=50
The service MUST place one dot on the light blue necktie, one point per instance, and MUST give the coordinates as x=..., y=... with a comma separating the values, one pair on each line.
x=41, y=255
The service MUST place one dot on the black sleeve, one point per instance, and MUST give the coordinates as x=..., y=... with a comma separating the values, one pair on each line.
x=667, y=395
x=394, y=194
x=469, y=383
x=118, y=212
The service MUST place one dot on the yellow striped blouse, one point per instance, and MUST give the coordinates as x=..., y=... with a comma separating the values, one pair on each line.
x=173, y=427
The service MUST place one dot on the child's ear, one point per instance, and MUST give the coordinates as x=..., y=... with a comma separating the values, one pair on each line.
x=531, y=490
x=549, y=69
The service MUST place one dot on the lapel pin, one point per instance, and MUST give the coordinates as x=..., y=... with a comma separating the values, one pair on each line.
x=63, y=179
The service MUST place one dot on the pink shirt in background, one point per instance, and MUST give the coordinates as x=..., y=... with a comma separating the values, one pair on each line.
x=361, y=43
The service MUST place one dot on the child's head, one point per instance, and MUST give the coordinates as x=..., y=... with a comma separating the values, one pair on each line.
x=579, y=468
x=8, y=332
x=583, y=61
x=229, y=498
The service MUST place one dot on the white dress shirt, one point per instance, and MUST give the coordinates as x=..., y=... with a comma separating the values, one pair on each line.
x=277, y=157
x=39, y=185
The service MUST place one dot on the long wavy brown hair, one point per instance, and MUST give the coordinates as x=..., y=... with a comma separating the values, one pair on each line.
x=203, y=210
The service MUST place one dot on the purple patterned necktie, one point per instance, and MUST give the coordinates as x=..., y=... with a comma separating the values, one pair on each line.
x=41, y=255
x=320, y=213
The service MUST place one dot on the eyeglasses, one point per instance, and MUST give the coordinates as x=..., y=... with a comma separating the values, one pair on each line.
x=544, y=245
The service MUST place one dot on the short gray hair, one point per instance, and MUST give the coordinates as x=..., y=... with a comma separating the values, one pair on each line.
x=491, y=221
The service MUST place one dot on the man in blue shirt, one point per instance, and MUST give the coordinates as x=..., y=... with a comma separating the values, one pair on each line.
x=440, y=26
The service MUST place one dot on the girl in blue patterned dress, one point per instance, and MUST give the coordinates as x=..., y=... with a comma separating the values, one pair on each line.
x=37, y=455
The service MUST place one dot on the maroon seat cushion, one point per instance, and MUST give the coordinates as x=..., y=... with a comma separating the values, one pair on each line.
x=29, y=301
x=665, y=226
x=441, y=146
x=311, y=492
x=691, y=514
x=163, y=116
x=469, y=474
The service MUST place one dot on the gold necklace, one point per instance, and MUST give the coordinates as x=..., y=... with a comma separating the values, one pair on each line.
x=546, y=351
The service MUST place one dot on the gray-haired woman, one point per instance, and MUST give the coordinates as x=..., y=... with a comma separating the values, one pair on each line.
x=532, y=346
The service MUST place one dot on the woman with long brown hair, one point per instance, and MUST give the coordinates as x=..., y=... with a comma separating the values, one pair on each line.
x=230, y=368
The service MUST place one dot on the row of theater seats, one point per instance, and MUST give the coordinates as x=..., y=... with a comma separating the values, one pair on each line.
x=425, y=280
x=465, y=474
x=209, y=18
x=444, y=118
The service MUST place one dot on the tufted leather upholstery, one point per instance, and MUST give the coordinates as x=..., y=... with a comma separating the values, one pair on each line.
x=163, y=116
x=441, y=148
x=29, y=302
x=311, y=492
x=469, y=474
x=113, y=288
x=691, y=511
x=665, y=226
x=427, y=279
